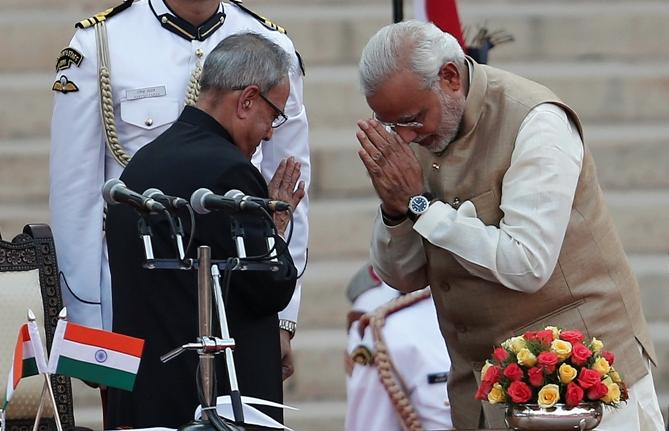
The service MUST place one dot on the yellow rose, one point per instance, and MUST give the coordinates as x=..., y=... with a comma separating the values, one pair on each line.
x=556, y=331
x=615, y=376
x=613, y=396
x=549, y=395
x=567, y=373
x=496, y=394
x=526, y=358
x=602, y=366
x=515, y=344
x=596, y=346
x=561, y=348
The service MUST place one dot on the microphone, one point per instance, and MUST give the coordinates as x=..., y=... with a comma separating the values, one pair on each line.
x=171, y=202
x=115, y=192
x=269, y=204
x=204, y=201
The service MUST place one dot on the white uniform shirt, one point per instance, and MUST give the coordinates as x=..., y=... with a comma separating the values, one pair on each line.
x=537, y=193
x=143, y=55
x=417, y=359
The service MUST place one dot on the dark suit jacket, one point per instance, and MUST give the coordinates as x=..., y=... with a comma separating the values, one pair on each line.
x=160, y=306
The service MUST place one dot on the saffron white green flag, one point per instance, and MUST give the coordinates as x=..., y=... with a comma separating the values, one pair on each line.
x=29, y=358
x=95, y=355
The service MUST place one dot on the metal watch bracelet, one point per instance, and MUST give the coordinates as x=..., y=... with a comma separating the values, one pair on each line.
x=288, y=325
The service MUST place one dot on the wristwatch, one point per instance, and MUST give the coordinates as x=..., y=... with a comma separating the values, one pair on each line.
x=288, y=325
x=418, y=205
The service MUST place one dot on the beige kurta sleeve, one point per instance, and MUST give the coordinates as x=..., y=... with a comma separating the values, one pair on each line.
x=398, y=256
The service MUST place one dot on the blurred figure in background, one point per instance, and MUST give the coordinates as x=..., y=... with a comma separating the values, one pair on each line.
x=396, y=379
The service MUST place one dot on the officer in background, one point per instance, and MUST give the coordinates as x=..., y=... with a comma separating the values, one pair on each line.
x=125, y=77
x=396, y=380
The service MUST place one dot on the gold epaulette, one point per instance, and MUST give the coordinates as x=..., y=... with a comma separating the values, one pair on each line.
x=104, y=15
x=264, y=21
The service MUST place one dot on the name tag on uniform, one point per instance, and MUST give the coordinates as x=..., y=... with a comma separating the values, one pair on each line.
x=437, y=378
x=143, y=93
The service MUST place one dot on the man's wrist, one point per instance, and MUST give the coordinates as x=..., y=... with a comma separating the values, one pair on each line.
x=288, y=326
x=392, y=220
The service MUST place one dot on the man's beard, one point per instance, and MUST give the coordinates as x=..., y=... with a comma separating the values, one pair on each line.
x=452, y=109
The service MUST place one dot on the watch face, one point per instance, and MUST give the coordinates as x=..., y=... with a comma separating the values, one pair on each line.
x=418, y=204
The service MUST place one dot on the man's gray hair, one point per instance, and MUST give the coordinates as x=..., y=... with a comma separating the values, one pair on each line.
x=245, y=59
x=420, y=47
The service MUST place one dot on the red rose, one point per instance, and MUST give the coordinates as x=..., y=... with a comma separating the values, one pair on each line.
x=530, y=335
x=492, y=375
x=580, y=353
x=587, y=378
x=536, y=376
x=483, y=390
x=547, y=361
x=545, y=337
x=609, y=356
x=597, y=391
x=572, y=336
x=500, y=354
x=574, y=394
x=513, y=372
x=519, y=392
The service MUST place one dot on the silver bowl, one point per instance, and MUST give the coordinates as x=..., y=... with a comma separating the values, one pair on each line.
x=525, y=417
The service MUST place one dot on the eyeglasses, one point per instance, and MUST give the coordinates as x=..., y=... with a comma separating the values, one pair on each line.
x=280, y=117
x=394, y=126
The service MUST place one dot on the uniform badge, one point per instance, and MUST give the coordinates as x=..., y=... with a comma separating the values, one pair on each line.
x=104, y=15
x=264, y=21
x=64, y=85
x=362, y=355
x=437, y=378
x=67, y=58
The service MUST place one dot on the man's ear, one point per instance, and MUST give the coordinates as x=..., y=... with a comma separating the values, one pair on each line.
x=247, y=98
x=449, y=76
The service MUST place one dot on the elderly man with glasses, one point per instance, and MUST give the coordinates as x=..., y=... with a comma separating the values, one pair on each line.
x=489, y=195
x=244, y=88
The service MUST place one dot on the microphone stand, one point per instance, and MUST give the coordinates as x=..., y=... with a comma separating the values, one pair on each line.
x=207, y=346
x=269, y=239
x=235, y=395
x=238, y=236
x=179, y=234
x=145, y=233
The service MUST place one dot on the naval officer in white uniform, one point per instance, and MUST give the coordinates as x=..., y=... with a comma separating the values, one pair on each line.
x=152, y=52
x=414, y=349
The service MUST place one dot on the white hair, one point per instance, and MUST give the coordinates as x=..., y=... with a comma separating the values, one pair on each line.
x=244, y=59
x=421, y=47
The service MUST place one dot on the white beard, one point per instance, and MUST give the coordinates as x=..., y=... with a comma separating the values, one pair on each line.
x=452, y=110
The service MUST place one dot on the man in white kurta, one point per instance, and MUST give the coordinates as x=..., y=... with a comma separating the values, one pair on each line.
x=514, y=153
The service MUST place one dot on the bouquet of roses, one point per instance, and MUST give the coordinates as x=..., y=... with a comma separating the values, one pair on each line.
x=551, y=366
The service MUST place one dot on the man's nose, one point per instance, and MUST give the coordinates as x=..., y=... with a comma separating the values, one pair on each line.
x=269, y=134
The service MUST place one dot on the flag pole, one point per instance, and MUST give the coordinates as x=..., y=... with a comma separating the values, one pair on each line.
x=38, y=416
x=47, y=382
x=398, y=11
x=56, y=416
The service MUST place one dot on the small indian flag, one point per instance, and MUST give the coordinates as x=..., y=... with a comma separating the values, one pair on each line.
x=95, y=355
x=29, y=358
